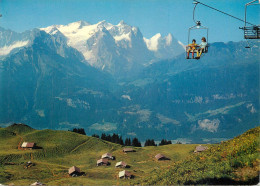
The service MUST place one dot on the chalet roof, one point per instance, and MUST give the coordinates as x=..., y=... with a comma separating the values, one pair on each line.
x=124, y=173
x=36, y=183
x=105, y=161
x=28, y=145
x=201, y=148
x=74, y=169
x=121, y=163
x=107, y=155
x=159, y=156
x=128, y=150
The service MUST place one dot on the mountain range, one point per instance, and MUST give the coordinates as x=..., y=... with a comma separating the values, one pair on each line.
x=110, y=78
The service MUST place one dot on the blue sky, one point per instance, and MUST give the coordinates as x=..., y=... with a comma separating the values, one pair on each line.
x=151, y=16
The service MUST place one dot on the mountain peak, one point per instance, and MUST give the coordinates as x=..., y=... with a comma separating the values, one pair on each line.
x=78, y=24
x=121, y=23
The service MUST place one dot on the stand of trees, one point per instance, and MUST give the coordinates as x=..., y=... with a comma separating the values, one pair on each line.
x=165, y=142
x=115, y=138
x=128, y=142
x=78, y=130
x=136, y=143
x=149, y=142
x=95, y=135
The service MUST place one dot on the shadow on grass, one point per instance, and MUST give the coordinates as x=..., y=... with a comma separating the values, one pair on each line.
x=224, y=181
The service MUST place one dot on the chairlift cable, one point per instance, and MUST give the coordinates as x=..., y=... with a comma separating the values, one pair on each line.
x=194, y=12
x=221, y=12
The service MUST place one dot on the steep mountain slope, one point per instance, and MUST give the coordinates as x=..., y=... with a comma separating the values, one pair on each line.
x=210, y=98
x=45, y=81
x=49, y=83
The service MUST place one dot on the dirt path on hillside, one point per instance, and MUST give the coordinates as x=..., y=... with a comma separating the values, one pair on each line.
x=79, y=146
x=19, y=144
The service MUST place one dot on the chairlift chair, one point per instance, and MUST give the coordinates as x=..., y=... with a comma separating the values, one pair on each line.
x=253, y=31
x=198, y=26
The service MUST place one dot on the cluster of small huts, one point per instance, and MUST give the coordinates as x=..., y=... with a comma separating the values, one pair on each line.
x=104, y=160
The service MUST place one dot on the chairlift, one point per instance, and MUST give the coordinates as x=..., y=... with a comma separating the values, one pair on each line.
x=251, y=31
x=199, y=27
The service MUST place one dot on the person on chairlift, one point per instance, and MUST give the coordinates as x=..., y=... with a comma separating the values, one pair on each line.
x=202, y=47
x=192, y=47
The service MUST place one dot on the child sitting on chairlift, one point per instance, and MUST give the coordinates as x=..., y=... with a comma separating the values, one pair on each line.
x=192, y=48
x=202, y=46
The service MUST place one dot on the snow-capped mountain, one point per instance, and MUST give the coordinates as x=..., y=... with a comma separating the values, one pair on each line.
x=164, y=47
x=108, y=47
x=116, y=49
x=47, y=83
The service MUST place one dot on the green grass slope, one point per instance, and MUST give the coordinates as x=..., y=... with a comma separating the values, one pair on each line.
x=59, y=150
x=232, y=162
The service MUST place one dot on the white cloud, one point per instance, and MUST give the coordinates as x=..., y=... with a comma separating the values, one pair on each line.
x=70, y=124
x=126, y=97
x=70, y=103
x=251, y=108
x=144, y=114
x=165, y=119
x=220, y=97
x=198, y=99
x=209, y=125
x=106, y=126
x=7, y=49
x=40, y=113
x=131, y=134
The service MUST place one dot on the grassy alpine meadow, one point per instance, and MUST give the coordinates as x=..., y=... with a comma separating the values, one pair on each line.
x=233, y=161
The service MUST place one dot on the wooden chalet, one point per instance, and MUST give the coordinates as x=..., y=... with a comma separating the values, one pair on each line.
x=74, y=171
x=125, y=174
x=37, y=183
x=28, y=145
x=161, y=157
x=126, y=150
x=101, y=162
x=107, y=156
x=121, y=164
x=200, y=148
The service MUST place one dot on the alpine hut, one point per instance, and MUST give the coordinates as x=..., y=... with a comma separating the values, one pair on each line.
x=126, y=150
x=161, y=157
x=108, y=156
x=200, y=148
x=28, y=145
x=101, y=162
x=125, y=174
x=74, y=171
x=37, y=183
x=121, y=164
